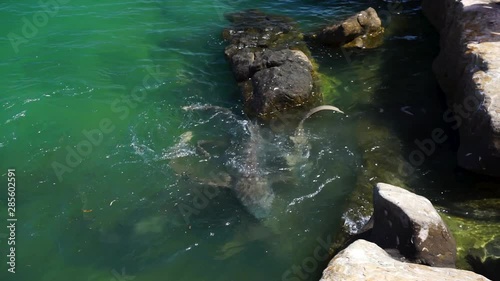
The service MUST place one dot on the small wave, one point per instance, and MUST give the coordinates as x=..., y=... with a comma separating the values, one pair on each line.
x=311, y=195
x=181, y=149
x=17, y=116
x=177, y=152
x=180, y=252
x=354, y=225
x=30, y=100
x=141, y=149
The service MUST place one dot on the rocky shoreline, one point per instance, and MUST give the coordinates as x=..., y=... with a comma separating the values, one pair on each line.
x=405, y=239
x=468, y=71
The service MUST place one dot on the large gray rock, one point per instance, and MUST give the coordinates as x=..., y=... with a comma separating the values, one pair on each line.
x=364, y=260
x=362, y=30
x=468, y=71
x=409, y=223
x=270, y=62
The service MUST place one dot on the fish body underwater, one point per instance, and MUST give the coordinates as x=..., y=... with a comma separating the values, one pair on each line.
x=252, y=187
x=250, y=184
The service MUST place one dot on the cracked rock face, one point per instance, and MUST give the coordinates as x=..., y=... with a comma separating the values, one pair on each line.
x=468, y=70
x=270, y=62
x=363, y=30
x=363, y=260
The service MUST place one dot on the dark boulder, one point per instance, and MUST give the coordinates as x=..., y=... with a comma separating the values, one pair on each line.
x=271, y=63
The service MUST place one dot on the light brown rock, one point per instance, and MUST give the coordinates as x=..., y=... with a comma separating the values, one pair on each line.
x=468, y=71
x=364, y=260
x=408, y=222
x=362, y=30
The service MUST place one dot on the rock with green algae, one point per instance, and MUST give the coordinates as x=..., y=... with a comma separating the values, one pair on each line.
x=478, y=244
x=271, y=63
x=329, y=85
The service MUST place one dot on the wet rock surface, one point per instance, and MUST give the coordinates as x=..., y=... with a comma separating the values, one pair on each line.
x=468, y=71
x=271, y=63
x=363, y=30
x=364, y=260
x=409, y=223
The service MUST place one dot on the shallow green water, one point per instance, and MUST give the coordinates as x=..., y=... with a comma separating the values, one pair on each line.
x=115, y=213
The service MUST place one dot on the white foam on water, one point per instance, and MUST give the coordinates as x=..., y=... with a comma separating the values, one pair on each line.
x=354, y=225
x=30, y=100
x=311, y=195
x=17, y=116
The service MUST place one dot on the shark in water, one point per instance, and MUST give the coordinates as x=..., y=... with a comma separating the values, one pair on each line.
x=251, y=186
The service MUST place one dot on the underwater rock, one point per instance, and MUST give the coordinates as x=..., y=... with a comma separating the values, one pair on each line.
x=486, y=261
x=271, y=63
x=363, y=30
x=478, y=243
x=408, y=222
x=468, y=70
x=363, y=260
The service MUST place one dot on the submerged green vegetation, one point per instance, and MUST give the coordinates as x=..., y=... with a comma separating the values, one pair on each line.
x=92, y=121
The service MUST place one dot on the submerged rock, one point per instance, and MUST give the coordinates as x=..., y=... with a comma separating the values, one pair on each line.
x=363, y=260
x=468, y=71
x=271, y=63
x=486, y=260
x=478, y=244
x=363, y=30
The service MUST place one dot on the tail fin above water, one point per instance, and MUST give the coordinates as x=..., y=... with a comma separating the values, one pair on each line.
x=299, y=138
x=318, y=109
x=300, y=128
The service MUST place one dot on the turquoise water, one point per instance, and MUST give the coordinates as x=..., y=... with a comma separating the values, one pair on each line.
x=110, y=206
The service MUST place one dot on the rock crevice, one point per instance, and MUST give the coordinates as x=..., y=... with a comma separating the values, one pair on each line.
x=468, y=71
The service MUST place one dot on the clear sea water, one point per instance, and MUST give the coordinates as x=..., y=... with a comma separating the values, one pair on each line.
x=116, y=213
